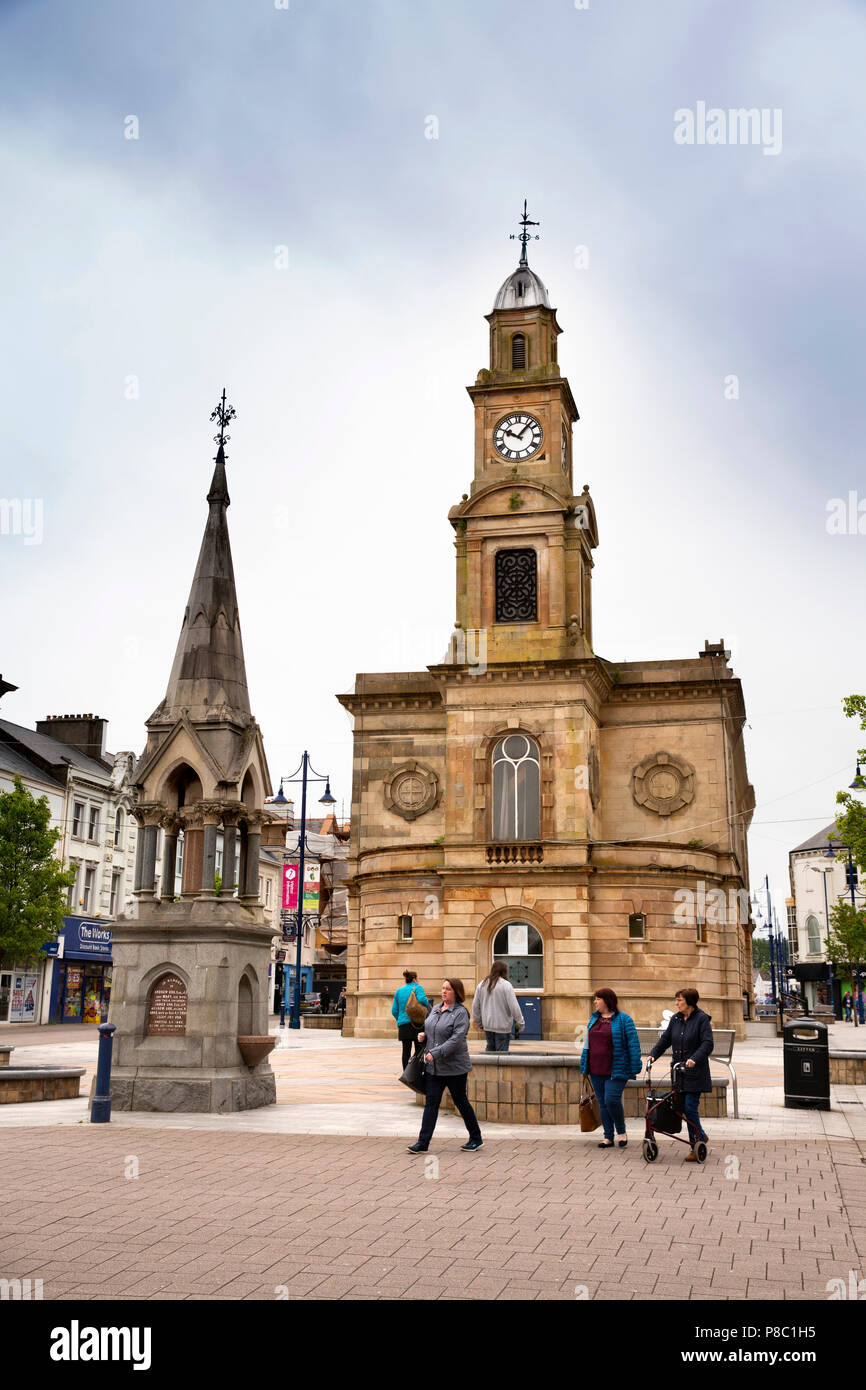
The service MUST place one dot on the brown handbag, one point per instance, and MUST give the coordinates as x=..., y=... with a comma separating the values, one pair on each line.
x=590, y=1113
x=416, y=1011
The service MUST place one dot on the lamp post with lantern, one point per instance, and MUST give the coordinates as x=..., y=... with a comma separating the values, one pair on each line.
x=307, y=773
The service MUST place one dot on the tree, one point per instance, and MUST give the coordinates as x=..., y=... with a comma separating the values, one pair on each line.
x=851, y=822
x=33, y=883
x=760, y=953
x=846, y=939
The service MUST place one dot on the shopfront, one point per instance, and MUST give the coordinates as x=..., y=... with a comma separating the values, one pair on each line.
x=20, y=989
x=81, y=983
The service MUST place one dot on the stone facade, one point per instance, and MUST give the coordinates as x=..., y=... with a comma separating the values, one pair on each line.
x=642, y=801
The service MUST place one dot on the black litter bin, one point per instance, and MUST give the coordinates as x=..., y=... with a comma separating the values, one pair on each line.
x=805, y=1048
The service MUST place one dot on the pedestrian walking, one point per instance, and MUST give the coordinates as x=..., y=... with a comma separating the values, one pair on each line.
x=848, y=1006
x=407, y=1031
x=340, y=1006
x=690, y=1038
x=611, y=1056
x=447, y=1057
x=495, y=1008
x=324, y=999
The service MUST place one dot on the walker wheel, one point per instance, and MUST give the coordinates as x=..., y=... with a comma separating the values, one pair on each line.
x=650, y=1150
x=701, y=1152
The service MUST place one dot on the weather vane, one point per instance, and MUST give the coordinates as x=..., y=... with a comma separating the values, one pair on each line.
x=524, y=236
x=223, y=413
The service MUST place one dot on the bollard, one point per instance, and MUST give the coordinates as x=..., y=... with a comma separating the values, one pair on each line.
x=100, y=1110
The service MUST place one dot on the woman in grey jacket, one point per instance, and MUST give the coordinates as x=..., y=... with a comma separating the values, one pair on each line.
x=448, y=1065
x=495, y=1008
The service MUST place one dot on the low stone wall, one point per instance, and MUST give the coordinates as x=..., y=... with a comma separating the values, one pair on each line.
x=5, y=1053
x=18, y=1084
x=544, y=1089
x=848, y=1068
x=321, y=1021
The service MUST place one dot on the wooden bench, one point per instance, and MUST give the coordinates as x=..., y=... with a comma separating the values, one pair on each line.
x=723, y=1051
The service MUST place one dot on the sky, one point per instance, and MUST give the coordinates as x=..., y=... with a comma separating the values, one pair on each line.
x=310, y=204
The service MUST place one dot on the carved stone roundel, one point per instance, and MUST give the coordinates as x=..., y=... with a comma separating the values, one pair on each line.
x=411, y=790
x=663, y=783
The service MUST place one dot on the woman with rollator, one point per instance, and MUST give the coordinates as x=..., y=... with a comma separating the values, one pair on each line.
x=690, y=1038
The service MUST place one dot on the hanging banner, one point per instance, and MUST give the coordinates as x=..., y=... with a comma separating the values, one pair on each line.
x=290, y=887
x=311, y=887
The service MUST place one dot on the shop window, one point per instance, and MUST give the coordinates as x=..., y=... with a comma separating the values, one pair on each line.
x=516, y=789
x=520, y=945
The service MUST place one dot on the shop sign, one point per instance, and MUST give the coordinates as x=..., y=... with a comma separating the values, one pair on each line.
x=90, y=939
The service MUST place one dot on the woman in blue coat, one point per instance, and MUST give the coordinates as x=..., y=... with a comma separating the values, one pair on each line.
x=611, y=1057
x=690, y=1038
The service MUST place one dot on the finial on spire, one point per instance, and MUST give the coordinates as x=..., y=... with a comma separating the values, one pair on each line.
x=223, y=413
x=523, y=236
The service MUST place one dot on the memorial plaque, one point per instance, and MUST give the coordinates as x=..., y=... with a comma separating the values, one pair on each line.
x=166, y=1011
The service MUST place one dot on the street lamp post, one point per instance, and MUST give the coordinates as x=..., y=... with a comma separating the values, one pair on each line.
x=831, y=854
x=308, y=773
x=830, y=976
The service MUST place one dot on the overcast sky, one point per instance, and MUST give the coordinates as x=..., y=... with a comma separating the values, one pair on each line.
x=143, y=274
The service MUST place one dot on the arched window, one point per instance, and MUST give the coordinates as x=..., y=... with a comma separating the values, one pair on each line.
x=813, y=931
x=516, y=789
x=518, y=351
x=516, y=586
x=521, y=947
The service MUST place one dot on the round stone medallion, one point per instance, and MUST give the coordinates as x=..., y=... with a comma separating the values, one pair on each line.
x=411, y=790
x=663, y=783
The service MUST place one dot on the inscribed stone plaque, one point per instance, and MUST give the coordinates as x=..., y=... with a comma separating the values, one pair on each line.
x=166, y=1012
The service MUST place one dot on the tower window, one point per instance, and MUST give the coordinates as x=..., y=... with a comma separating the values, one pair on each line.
x=516, y=586
x=518, y=351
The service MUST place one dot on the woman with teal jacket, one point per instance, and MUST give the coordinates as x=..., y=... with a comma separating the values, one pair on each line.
x=611, y=1057
x=407, y=1031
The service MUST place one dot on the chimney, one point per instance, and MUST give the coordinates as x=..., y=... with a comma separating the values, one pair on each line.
x=86, y=732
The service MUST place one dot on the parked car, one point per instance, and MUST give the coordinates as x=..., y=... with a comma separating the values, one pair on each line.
x=311, y=1003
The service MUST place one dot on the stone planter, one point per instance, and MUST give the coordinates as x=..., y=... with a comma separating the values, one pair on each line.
x=254, y=1047
x=22, y=1084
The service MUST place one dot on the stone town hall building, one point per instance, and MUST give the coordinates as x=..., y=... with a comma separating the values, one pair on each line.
x=526, y=799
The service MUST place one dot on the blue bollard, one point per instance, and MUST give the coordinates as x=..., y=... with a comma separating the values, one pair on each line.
x=100, y=1110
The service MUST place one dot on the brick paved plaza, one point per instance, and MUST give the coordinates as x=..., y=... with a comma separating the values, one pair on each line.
x=236, y=1216
x=316, y=1197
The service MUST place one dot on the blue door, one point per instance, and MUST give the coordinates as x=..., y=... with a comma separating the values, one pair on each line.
x=530, y=1007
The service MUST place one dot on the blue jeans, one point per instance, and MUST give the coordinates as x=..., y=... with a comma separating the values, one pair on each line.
x=497, y=1042
x=691, y=1101
x=608, y=1090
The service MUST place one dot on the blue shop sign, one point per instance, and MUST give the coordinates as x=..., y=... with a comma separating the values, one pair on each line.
x=86, y=940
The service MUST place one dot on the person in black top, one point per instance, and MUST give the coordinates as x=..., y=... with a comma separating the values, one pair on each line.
x=690, y=1038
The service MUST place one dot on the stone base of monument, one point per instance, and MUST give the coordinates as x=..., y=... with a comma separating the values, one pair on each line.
x=218, y=1095
x=190, y=986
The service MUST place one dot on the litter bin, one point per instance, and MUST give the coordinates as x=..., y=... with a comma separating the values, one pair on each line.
x=805, y=1049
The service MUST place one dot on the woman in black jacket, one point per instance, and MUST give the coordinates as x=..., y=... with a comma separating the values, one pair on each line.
x=690, y=1038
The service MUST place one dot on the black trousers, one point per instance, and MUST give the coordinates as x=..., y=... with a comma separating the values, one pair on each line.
x=436, y=1086
x=408, y=1035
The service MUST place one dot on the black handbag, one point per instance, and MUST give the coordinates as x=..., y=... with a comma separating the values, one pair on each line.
x=415, y=1074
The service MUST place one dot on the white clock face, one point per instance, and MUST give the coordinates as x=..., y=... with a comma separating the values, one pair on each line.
x=518, y=436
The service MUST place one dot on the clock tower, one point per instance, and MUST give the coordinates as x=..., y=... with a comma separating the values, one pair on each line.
x=524, y=541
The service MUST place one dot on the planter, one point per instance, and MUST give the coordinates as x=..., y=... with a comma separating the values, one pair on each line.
x=254, y=1047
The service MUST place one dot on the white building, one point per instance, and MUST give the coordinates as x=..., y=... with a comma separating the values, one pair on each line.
x=89, y=793
x=817, y=882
